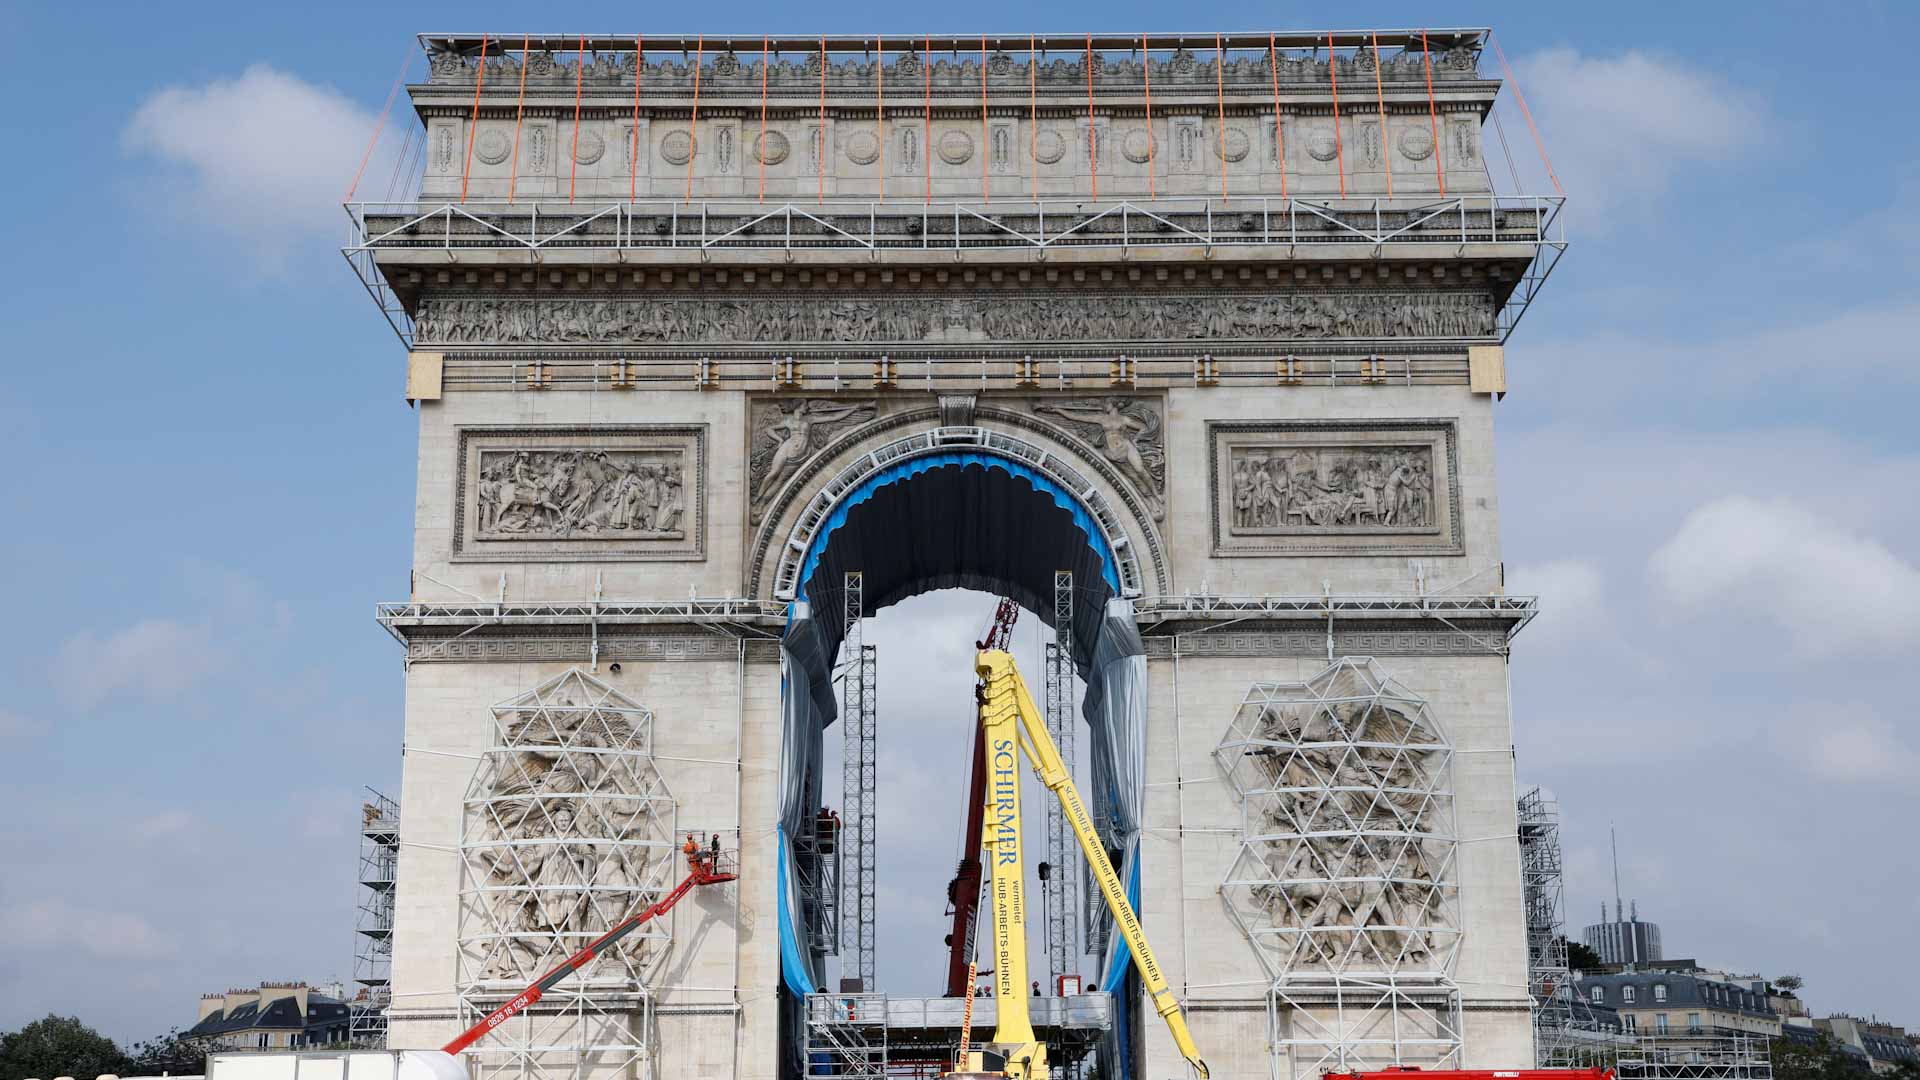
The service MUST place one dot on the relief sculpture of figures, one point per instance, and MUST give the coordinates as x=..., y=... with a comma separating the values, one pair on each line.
x=1128, y=434
x=1276, y=488
x=785, y=437
x=525, y=494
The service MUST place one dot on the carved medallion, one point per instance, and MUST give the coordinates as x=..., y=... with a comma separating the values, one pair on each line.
x=771, y=148
x=581, y=493
x=1234, y=147
x=956, y=147
x=907, y=64
x=1334, y=488
x=727, y=63
x=588, y=146
x=863, y=148
x=1416, y=143
x=1049, y=147
x=1137, y=145
x=677, y=147
x=492, y=147
x=787, y=432
x=1322, y=145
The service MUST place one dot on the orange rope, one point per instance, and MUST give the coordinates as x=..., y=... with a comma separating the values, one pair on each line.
x=926, y=151
x=1279, y=141
x=880, y=109
x=1433, y=115
x=393, y=93
x=821, y=155
x=1526, y=112
x=1339, y=154
x=473, y=122
x=573, y=157
x=986, y=154
x=519, y=106
x=1220, y=89
x=632, y=150
x=1093, y=148
x=1380, y=102
x=760, y=151
x=1033, y=114
x=693, y=125
x=1146, y=68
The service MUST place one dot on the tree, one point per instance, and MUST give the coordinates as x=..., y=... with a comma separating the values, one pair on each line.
x=59, y=1046
x=1580, y=957
x=169, y=1054
x=1788, y=984
x=1824, y=1060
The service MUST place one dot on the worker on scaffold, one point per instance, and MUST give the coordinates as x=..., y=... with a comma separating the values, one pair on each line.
x=692, y=848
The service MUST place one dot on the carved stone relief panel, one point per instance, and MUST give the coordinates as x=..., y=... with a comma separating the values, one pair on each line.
x=1042, y=317
x=786, y=433
x=598, y=494
x=1127, y=432
x=1356, y=487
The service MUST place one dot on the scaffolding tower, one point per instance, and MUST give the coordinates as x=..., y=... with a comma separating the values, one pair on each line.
x=1549, y=982
x=1061, y=888
x=859, y=780
x=373, y=922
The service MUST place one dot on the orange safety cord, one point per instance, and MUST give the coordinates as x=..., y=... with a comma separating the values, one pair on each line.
x=926, y=151
x=633, y=136
x=1093, y=148
x=760, y=150
x=1220, y=89
x=1146, y=68
x=820, y=154
x=880, y=108
x=1279, y=141
x=398, y=78
x=473, y=122
x=693, y=125
x=573, y=156
x=1528, y=113
x=1033, y=114
x=1433, y=115
x=519, y=108
x=986, y=152
x=1380, y=103
x=1339, y=154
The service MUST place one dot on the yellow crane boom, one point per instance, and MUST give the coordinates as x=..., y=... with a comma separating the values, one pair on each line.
x=1008, y=719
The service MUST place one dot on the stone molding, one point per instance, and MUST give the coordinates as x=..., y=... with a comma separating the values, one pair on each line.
x=635, y=492
x=1296, y=639
x=574, y=643
x=1269, y=316
x=1343, y=487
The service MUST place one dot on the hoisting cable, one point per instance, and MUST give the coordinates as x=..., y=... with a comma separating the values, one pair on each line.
x=633, y=135
x=381, y=125
x=1220, y=90
x=1380, y=103
x=820, y=151
x=880, y=109
x=1339, y=154
x=1093, y=148
x=1033, y=114
x=926, y=150
x=1433, y=114
x=760, y=148
x=1279, y=142
x=519, y=111
x=1528, y=113
x=579, y=80
x=693, y=125
x=473, y=122
x=986, y=154
x=1146, y=69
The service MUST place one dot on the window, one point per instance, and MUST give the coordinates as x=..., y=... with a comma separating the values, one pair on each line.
x=1627, y=1022
x=1693, y=1021
x=1659, y=991
x=1626, y=995
x=263, y=1040
x=1598, y=996
x=1660, y=1023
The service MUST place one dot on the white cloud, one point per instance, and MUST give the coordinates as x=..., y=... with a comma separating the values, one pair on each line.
x=47, y=925
x=1829, y=588
x=1845, y=742
x=264, y=149
x=15, y=726
x=1572, y=596
x=1621, y=128
x=154, y=659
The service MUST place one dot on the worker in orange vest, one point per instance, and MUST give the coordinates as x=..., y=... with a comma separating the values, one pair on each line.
x=692, y=848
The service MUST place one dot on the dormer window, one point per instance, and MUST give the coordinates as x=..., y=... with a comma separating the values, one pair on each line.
x=1659, y=991
x=1599, y=996
x=1626, y=995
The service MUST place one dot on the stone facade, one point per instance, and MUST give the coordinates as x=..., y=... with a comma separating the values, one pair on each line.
x=1284, y=421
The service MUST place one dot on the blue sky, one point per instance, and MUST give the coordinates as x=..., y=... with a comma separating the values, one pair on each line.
x=1708, y=472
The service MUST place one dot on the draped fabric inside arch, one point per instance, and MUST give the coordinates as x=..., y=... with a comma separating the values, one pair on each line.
x=976, y=521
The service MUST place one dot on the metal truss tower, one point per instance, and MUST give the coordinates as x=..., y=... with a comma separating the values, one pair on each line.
x=1061, y=890
x=373, y=923
x=859, y=780
x=1549, y=983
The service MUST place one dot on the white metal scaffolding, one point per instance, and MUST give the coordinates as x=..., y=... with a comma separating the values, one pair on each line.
x=568, y=827
x=1061, y=889
x=859, y=781
x=1549, y=983
x=373, y=922
x=1345, y=882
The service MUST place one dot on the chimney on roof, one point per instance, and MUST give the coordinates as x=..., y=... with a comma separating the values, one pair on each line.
x=210, y=1004
x=236, y=998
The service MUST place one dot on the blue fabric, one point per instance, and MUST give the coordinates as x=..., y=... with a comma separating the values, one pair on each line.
x=793, y=966
x=1123, y=956
x=906, y=470
x=1117, y=983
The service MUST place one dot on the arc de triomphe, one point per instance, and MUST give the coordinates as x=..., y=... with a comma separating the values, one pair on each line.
x=697, y=327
